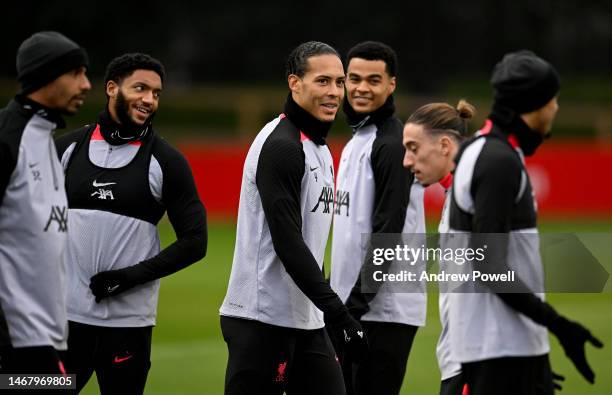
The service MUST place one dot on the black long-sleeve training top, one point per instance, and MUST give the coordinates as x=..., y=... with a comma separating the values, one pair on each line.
x=492, y=199
x=285, y=211
x=117, y=193
x=33, y=228
x=375, y=194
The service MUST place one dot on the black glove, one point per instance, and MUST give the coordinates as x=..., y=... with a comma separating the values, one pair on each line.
x=573, y=337
x=111, y=283
x=349, y=335
x=557, y=378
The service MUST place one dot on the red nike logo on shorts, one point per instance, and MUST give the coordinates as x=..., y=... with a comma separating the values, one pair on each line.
x=121, y=359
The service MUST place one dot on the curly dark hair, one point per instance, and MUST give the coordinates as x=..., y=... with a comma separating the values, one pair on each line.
x=124, y=65
x=374, y=50
x=297, y=62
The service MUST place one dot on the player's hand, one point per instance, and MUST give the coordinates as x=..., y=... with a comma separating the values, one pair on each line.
x=110, y=283
x=355, y=340
x=351, y=336
x=557, y=379
x=573, y=337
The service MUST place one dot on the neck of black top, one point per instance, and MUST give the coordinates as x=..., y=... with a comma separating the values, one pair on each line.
x=34, y=107
x=510, y=122
x=118, y=133
x=377, y=117
x=315, y=129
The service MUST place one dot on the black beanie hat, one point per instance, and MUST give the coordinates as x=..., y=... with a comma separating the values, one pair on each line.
x=524, y=82
x=45, y=56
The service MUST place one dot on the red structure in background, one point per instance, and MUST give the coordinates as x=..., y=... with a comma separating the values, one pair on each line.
x=570, y=178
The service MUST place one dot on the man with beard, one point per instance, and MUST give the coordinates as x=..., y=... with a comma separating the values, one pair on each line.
x=375, y=194
x=120, y=180
x=33, y=328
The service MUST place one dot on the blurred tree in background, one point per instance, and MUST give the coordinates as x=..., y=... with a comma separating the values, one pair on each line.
x=225, y=60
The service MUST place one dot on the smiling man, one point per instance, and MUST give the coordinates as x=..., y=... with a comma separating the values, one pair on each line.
x=120, y=180
x=277, y=297
x=375, y=194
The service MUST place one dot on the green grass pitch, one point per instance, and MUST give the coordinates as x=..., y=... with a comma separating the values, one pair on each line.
x=189, y=355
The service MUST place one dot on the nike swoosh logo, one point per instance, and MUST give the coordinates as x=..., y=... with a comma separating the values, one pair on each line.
x=33, y=164
x=314, y=168
x=119, y=360
x=112, y=289
x=102, y=184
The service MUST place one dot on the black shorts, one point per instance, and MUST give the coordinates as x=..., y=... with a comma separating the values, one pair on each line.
x=509, y=375
x=454, y=386
x=32, y=360
x=382, y=370
x=38, y=360
x=121, y=357
x=267, y=359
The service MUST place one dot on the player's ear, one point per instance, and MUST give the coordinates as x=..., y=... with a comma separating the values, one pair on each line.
x=392, y=85
x=112, y=88
x=445, y=145
x=295, y=83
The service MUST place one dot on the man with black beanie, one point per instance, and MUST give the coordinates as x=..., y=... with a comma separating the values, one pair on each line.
x=33, y=209
x=499, y=333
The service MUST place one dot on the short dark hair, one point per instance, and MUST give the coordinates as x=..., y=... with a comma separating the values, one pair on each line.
x=123, y=66
x=374, y=50
x=297, y=62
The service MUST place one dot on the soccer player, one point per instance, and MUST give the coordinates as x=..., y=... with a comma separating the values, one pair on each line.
x=272, y=317
x=500, y=337
x=121, y=178
x=33, y=208
x=375, y=194
x=432, y=136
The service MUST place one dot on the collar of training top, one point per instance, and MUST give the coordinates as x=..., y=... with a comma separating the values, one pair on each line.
x=313, y=128
x=447, y=181
x=511, y=123
x=117, y=134
x=31, y=107
x=378, y=116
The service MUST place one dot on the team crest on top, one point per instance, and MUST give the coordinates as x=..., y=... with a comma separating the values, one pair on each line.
x=342, y=200
x=59, y=216
x=327, y=198
x=104, y=190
